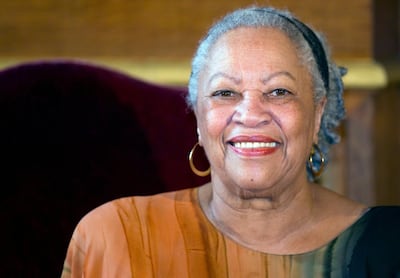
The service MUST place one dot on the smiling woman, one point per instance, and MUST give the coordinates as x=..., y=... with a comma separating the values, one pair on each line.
x=254, y=112
x=267, y=100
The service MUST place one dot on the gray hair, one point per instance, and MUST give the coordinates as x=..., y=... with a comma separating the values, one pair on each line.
x=330, y=85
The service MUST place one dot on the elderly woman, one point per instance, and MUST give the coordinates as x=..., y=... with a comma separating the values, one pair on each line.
x=267, y=99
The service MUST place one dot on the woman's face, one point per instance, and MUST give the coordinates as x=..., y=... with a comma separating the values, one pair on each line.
x=255, y=111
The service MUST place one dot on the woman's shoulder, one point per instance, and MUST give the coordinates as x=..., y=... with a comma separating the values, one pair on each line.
x=127, y=209
x=381, y=227
x=105, y=238
x=383, y=212
x=137, y=214
x=383, y=221
x=377, y=250
x=336, y=210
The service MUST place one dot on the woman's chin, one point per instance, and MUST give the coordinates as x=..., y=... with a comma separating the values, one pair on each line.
x=253, y=187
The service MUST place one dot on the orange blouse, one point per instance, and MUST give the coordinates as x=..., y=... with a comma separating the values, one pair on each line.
x=167, y=235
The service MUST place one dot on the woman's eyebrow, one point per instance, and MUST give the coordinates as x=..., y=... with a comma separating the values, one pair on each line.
x=275, y=74
x=236, y=80
x=224, y=75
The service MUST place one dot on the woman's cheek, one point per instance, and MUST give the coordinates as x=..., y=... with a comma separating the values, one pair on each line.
x=299, y=128
x=216, y=120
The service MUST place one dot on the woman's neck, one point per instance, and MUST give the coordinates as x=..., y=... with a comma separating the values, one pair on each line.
x=292, y=222
x=256, y=220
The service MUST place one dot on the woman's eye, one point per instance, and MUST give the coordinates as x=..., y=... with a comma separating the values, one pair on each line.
x=224, y=93
x=280, y=92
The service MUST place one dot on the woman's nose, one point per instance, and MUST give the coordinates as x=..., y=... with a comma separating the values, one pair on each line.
x=252, y=111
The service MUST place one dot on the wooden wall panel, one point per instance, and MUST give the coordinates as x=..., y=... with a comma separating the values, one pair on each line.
x=154, y=31
x=387, y=145
x=157, y=29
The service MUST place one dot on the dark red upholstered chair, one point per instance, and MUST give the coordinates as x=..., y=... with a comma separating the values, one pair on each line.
x=73, y=136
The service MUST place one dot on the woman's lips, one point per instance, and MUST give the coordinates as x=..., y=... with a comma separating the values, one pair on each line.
x=254, y=145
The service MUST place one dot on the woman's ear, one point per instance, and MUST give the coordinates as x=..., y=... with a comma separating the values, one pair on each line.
x=199, y=136
x=319, y=111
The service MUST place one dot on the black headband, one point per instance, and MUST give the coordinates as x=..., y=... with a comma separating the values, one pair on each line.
x=314, y=43
x=316, y=47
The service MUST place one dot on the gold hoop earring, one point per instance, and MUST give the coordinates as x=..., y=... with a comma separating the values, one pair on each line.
x=194, y=169
x=316, y=172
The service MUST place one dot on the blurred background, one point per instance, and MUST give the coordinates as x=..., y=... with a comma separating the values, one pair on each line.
x=155, y=39
x=47, y=187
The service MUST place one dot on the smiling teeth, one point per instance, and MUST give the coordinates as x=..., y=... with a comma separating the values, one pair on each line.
x=254, y=145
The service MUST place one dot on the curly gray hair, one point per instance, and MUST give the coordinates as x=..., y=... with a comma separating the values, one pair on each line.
x=312, y=50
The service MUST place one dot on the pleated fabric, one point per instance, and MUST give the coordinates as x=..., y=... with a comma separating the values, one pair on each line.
x=167, y=235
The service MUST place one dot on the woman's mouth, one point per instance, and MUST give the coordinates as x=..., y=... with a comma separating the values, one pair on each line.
x=254, y=145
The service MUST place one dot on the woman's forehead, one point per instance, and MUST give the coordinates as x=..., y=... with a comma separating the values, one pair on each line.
x=243, y=42
x=252, y=49
x=253, y=34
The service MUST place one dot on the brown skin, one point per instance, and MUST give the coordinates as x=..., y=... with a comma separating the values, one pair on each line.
x=255, y=89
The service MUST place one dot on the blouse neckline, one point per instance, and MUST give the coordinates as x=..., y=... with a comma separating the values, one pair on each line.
x=359, y=221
